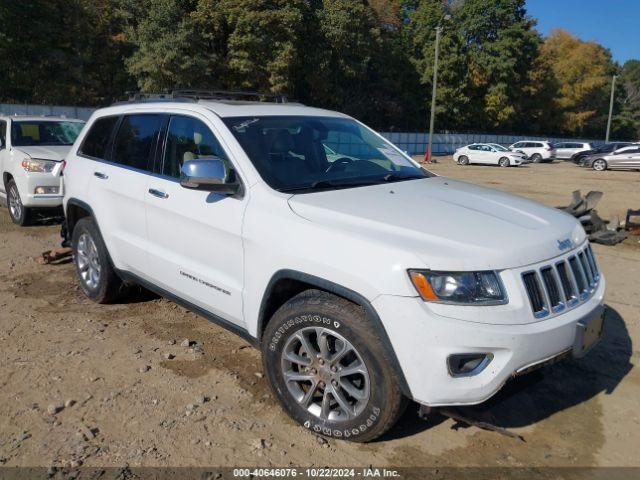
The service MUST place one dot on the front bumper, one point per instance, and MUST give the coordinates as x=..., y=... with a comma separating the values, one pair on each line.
x=423, y=340
x=28, y=183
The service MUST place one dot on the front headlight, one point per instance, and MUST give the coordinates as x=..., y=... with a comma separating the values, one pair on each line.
x=463, y=288
x=36, y=165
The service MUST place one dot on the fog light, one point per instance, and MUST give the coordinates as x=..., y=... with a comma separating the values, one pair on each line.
x=47, y=190
x=468, y=364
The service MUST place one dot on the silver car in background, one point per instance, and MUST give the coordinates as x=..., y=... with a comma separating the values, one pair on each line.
x=626, y=158
x=566, y=150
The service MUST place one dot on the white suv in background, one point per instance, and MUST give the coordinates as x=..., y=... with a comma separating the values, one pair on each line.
x=364, y=279
x=31, y=154
x=536, y=150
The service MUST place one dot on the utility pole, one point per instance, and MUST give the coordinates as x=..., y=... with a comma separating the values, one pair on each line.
x=613, y=89
x=433, y=95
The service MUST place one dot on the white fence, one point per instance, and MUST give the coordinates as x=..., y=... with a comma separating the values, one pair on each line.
x=412, y=143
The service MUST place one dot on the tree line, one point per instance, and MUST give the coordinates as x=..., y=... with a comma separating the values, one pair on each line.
x=372, y=59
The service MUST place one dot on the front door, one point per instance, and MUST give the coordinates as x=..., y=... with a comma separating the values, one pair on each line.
x=195, y=244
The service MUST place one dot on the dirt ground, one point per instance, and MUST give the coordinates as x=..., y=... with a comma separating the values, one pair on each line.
x=97, y=385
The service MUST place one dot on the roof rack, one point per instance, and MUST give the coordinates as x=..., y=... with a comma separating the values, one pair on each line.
x=193, y=95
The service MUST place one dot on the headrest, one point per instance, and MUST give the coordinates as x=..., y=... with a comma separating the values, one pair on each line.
x=282, y=142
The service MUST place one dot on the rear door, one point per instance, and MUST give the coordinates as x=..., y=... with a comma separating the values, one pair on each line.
x=195, y=243
x=628, y=158
x=118, y=187
x=563, y=150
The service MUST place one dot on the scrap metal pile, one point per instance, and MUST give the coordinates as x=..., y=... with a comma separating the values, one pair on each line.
x=606, y=232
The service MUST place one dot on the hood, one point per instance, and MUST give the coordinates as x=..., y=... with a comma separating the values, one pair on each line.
x=52, y=152
x=448, y=224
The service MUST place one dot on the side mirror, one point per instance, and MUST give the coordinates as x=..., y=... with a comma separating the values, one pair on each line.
x=207, y=174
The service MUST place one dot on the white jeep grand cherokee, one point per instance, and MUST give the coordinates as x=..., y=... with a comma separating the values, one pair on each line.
x=364, y=279
x=31, y=153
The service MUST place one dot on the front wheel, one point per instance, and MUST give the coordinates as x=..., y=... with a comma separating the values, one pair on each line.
x=503, y=162
x=329, y=369
x=17, y=211
x=600, y=165
x=536, y=158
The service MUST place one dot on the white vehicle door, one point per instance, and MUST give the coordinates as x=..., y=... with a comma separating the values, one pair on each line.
x=195, y=243
x=119, y=183
x=4, y=153
x=563, y=150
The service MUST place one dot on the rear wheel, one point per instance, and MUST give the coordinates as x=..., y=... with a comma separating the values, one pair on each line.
x=17, y=211
x=503, y=162
x=94, y=271
x=600, y=165
x=329, y=369
x=463, y=160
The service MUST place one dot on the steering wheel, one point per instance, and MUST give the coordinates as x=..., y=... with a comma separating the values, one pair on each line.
x=342, y=162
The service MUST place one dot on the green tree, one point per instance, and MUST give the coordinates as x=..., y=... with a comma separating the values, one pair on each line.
x=583, y=73
x=626, y=123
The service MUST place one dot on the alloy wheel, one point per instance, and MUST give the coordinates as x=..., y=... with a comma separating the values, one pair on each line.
x=599, y=165
x=15, y=204
x=88, y=261
x=325, y=374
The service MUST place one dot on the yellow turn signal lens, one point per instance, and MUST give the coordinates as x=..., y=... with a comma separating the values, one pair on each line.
x=422, y=285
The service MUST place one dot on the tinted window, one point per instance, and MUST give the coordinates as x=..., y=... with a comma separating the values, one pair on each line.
x=474, y=147
x=44, y=133
x=562, y=145
x=96, y=141
x=534, y=145
x=518, y=145
x=189, y=139
x=135, y=140
x=3, y=134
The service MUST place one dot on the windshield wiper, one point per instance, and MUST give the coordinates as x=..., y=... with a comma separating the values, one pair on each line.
x=327, y=184
x=395, y=177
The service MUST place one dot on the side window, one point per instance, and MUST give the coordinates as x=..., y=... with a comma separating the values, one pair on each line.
x=474, y=147
x=190, y=139
x=518, y=145
x=96, y=142
x=135, y=140
x=3, y=134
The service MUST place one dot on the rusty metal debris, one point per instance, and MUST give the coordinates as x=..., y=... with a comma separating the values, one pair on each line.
x=606, y=232
x=632, y=222
x=456, y=415
x=55, y=255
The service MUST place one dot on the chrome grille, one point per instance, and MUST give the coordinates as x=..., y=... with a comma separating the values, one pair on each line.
x=555, y=287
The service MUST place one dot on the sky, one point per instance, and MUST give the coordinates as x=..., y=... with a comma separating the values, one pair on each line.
x=615, y=24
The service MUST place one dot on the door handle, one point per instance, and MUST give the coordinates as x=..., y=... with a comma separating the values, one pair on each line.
x=100, y=175
x=158, y=193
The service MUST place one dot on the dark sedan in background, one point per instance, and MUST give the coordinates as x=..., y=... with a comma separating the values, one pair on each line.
x=604, y=149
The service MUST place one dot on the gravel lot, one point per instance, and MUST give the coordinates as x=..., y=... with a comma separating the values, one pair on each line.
x=112, y=385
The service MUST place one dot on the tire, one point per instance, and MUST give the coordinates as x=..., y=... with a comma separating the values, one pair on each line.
x=536, y=158
x=504, y=162
x=94, y=271
x=372, y=396
x=599, y=165
x=19, y=214
x=463, y=160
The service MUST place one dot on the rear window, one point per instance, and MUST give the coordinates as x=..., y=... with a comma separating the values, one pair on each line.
x=136, y=137
x=97, y=140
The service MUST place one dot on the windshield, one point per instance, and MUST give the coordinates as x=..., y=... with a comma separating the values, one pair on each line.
x=44, y=133
x=500, y=148
x=297, y=153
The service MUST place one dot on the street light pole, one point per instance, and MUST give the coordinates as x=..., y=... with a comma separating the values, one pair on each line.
x=433, y=95
x=613, y=89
